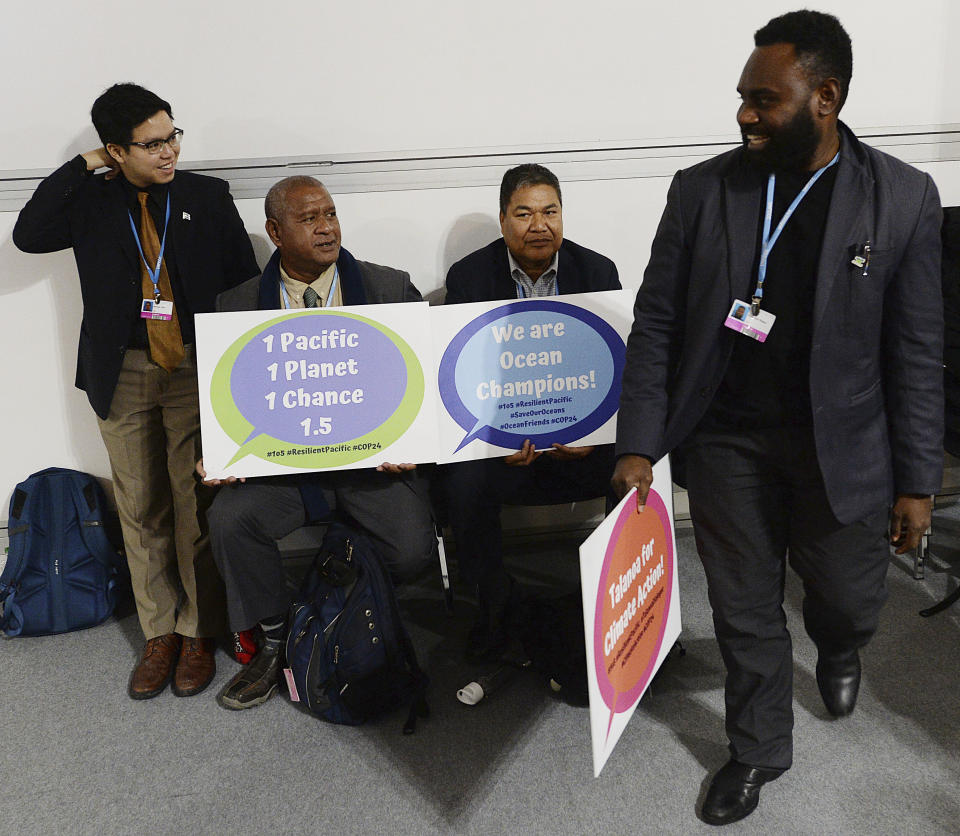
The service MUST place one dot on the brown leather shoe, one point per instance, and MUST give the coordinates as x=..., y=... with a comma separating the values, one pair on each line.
x=196, y=667
x=155, y=667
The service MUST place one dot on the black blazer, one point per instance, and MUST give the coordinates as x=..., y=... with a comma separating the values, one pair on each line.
x=950, y=272
x=70, y=208
x=484, y=275
x=876, y=382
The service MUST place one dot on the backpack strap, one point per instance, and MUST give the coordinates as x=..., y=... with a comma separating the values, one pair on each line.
x=418, y=706
x=11, y=616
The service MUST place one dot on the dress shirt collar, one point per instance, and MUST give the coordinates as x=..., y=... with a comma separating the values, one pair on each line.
x=321, y=286
x=545, y=285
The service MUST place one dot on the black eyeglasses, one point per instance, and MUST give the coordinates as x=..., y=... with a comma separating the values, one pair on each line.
x=154, y=146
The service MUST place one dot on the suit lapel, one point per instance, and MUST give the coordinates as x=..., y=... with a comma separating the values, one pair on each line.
x=504, y=285
x=742, y=204
x=569, y=279
x=846, y=222
x=117, y=217
x=180, y=241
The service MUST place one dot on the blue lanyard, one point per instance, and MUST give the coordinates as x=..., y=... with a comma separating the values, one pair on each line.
x=155, y=273
x=769, y=240
x=522, y=291
x=333, y=288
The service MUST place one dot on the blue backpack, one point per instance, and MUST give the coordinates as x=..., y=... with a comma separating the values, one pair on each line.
x=62, y=570
x=347, y=650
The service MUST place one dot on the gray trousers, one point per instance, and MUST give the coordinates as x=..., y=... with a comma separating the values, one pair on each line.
x=248, y=518
x=755, y=498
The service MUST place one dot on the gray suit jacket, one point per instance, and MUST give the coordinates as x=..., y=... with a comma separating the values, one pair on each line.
x=875, y=363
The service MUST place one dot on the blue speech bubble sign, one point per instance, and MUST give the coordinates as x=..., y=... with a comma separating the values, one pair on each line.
x=542, y=370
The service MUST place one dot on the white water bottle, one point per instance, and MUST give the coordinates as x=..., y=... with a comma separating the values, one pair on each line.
x=473, y=692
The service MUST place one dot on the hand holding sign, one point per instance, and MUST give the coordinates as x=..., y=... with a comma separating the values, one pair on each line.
x=633, y=472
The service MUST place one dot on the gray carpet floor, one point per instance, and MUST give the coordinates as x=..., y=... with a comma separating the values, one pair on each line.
x=78, y=756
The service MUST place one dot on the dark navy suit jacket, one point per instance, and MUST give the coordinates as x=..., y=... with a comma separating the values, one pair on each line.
x=484, y=275
x=876, y=382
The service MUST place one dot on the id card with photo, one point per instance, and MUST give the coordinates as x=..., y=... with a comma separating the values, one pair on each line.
x=151, y=309
x=741, y=320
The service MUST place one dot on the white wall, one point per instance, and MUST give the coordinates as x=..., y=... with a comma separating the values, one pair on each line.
x=304, y=78
x=299, y=78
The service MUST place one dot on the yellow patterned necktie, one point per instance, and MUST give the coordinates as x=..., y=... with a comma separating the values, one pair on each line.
x=166, y=341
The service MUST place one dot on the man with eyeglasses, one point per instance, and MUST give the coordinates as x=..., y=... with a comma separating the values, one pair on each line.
x=153, y=248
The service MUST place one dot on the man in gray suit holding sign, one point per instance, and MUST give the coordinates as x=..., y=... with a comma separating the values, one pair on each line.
x=786, y=349
x=309, y=269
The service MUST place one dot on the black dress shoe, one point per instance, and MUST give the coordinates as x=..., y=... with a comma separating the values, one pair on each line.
x=838, y=678
x=735, y=792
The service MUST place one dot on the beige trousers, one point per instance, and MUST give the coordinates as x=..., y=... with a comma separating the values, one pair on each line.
x=152, y=436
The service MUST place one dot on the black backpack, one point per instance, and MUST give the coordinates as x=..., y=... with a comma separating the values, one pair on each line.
x=347, y=649
x=62, y=570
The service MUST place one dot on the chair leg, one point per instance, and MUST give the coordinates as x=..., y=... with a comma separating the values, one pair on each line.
x=920, y=555
x=444, y=573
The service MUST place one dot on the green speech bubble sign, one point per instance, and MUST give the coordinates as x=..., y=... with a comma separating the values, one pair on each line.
x=381, y=360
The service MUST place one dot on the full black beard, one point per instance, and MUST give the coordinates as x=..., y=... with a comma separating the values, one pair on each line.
x=792, y=148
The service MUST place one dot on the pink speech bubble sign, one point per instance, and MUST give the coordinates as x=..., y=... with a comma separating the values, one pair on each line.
x=620, y=677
